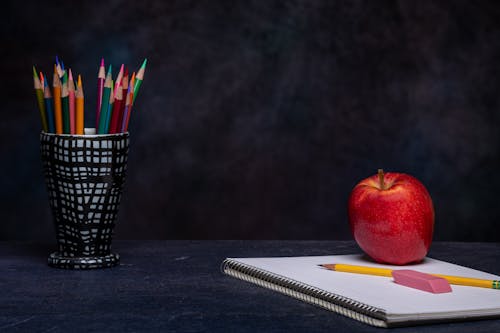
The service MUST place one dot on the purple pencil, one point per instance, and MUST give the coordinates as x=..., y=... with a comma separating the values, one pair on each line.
x=101, y=77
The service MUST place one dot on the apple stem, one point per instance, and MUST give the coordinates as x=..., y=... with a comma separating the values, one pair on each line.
x=381, y=179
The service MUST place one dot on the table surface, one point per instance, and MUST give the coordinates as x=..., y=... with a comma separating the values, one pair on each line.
x=178, y=286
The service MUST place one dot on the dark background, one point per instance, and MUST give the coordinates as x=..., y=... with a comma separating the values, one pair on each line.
x=257, y=118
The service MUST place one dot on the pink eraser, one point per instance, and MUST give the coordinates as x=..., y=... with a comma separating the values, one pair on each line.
x=421, y=281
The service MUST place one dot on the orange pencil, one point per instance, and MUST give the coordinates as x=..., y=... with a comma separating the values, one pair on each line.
x=79, y=106
x=71, y=94
x=57, y=102
x=128, y=104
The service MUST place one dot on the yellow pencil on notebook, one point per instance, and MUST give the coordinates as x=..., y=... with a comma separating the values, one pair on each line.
x=457, y=280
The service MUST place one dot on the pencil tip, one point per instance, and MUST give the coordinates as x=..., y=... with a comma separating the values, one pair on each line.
x=34, y=72
x=70, y=75
x=144, y=62
x=79, y=83
x=109, y=69
x=57, y=60
x=102, y=62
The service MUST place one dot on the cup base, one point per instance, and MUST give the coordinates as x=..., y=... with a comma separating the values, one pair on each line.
x=58, y=261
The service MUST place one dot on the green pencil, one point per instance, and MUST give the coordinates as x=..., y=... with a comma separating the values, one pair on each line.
x=40, y=99
x=138, y=78
x=65, y=104
x=106, y=93
x=109, y=113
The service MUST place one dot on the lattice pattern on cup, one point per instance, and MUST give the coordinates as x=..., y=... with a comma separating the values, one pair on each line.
x=84, y=177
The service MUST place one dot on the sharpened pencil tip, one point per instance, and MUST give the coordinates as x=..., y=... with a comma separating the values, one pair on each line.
x=328, y=266
x=57, y=60
x=34, y=72
x=70, y=75
x=109, y=70
x=144, y=62
x=102, y=62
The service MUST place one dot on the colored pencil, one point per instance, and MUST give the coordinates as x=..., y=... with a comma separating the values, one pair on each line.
x=42, y=80
x=115, y=114
x=118, y=80
x=71, y=94
x=39, y=97
x=56, y=84
x=124, y=86
x=101, y=77
x=458, y=280
x=49, y=108
x=138, y=78
x=59, y=69
x=128, y=104
x=108, y=83
x=62, y=69
x=65, y=104
x=79, y=107
x=110, y=109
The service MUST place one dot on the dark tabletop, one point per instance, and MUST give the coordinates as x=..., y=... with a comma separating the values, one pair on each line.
x=178, y=286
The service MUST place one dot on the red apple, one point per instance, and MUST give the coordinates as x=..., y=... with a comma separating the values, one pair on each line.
x=392, y=218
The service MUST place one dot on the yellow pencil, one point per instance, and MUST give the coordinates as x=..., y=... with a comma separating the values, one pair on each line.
x=79, y=106
x=57, y=102
x=39, y=96
x=458, y=280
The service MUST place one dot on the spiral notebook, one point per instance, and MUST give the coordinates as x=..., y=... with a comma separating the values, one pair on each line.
x=374, y=300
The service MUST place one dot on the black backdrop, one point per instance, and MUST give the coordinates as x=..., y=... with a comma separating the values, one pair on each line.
x=256, y=118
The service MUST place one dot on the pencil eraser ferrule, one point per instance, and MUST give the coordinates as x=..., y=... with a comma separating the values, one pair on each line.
x=421, y=281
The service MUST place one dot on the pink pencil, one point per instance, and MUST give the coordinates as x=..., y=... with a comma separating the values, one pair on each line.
x=71, y=94
x=101, y=77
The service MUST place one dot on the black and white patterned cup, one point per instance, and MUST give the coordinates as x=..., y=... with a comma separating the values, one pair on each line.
x=84, y=175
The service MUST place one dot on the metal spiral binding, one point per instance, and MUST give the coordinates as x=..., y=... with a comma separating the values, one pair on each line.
x=335, y=303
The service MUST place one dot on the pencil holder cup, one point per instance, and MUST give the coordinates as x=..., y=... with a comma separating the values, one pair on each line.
x=84, y=175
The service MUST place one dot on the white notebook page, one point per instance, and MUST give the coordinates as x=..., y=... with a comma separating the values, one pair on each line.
x=399, y=302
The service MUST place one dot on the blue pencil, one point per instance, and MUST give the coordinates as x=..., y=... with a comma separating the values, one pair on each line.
x=48, y=107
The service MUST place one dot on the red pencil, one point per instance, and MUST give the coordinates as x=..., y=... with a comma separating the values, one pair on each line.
x=124, y=99
x=118, y=81
x=117, y=105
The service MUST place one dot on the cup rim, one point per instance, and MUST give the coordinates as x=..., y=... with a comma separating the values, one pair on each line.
x=89, y=133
